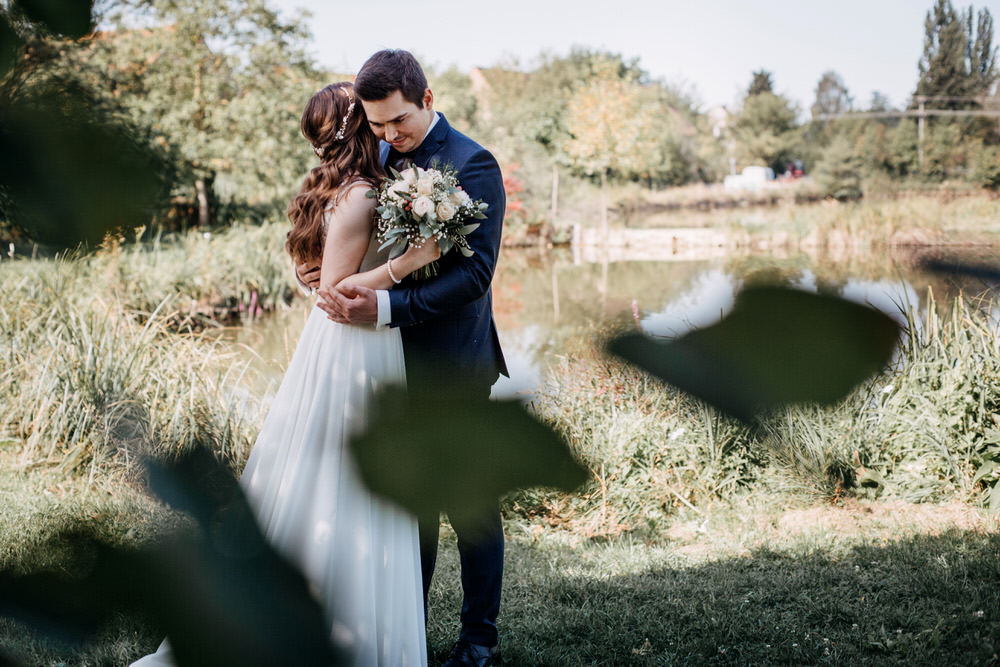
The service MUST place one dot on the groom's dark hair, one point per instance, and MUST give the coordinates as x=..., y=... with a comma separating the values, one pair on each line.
x=390, y=70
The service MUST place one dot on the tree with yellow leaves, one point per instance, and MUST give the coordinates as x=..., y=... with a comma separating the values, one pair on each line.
x=606, y=121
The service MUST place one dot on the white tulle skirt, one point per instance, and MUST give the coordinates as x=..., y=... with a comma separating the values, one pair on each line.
x=359, y=553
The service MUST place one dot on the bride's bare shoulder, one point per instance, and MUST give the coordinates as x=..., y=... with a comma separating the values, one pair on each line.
x=351, y=207
x=355, y=194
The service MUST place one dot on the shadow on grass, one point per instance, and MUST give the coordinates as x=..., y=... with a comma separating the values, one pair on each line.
x=928, y=600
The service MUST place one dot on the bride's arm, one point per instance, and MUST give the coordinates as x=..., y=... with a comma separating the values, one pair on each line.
x=347, y=236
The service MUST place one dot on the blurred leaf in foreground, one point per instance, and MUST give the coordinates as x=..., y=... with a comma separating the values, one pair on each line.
x=777, y=346
x=70, y=18
x=223, y=595
x=9, y=44
x=71, y=175
x=445, y=451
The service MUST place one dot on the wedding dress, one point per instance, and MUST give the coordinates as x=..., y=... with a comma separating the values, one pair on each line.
x=358, y=552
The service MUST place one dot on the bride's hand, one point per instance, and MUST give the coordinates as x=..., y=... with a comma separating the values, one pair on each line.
x=424, y=255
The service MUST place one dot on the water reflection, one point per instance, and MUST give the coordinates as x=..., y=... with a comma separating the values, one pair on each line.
x=543, y=298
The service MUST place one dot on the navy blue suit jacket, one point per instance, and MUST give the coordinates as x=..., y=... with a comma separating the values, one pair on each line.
x=447, y=320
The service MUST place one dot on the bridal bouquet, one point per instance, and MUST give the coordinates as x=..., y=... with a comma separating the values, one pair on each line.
x=420, y=205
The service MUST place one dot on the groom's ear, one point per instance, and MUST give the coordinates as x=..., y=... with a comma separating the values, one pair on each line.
x=428, y=99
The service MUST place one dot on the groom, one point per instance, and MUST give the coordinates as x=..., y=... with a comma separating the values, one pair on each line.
x=447, y=319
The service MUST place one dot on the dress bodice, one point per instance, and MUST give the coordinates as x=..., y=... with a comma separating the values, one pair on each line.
x=373, y=257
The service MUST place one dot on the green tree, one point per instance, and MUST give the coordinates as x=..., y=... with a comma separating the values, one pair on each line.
x=221, y=85
x=959, y=59
x=761, y=83
x=942, y=66
x=606, y=123
x=982, y=54
x=838, y=172
x=454, y=98
x=524, y=113
x=766, y=131
x=879, y=102
x=69, y=170
x=832, y=96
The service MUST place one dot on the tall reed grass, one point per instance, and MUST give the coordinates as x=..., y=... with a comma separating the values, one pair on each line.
x=86, y=384
x=204, y=277
x=921, y=431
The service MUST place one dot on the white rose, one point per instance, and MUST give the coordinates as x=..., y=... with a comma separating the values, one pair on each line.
x=425, y=185
x=399, y=187
x=423, y=206
x=445, y=210
x=459, y=198
x=410, y=176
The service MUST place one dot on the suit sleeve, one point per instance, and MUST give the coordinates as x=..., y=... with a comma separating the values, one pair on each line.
x=469, y=278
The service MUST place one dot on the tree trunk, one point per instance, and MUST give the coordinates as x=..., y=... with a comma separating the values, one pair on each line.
x=555, y=292
x=203, y=212
x=604, y=206
x=555, y=192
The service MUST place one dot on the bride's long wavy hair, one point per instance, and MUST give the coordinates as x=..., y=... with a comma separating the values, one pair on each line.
x=352, y=156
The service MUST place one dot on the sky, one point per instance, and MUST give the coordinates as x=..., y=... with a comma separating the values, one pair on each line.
x=710, y=47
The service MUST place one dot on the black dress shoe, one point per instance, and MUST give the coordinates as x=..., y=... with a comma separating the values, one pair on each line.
x=464, y=654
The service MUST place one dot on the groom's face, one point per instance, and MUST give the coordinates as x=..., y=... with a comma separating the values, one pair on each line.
x=399, y=121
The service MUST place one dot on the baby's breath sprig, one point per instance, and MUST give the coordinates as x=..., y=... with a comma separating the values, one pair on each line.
x=420, y=205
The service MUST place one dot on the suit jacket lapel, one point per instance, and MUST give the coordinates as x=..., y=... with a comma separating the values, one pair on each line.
x=432, y=143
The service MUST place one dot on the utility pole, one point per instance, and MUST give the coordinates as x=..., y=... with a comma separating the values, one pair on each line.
x=922, y=114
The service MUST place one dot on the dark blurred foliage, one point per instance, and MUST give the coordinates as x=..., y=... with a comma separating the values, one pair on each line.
x=429, y=452
x=70, y=18
x=222, y=594
x=69, y=173
x=70, y=176
x=777, y=346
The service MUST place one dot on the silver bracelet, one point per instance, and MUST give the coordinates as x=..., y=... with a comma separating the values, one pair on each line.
x=392, y=276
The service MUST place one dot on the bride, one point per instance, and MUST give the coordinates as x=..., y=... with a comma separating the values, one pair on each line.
x=358, y=552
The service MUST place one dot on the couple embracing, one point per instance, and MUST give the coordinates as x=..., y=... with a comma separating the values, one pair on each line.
x=369, y=562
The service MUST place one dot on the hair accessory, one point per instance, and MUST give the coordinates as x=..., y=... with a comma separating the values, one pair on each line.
x=392, y=276
x=347, y=116
x=319, y=150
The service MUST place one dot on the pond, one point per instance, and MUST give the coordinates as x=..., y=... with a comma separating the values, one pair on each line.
x=542, y=297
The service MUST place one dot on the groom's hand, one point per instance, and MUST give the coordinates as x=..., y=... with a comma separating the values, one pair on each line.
x=308, y=274
x=349, y=304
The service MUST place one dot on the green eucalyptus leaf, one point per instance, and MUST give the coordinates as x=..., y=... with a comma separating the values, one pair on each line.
x=399, y=248
x=777, y=346
x=429, y=451
x=467, y=252
x=468, y=229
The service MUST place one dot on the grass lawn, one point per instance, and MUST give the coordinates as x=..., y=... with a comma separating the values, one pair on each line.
x=864, y=583
x=760, y=580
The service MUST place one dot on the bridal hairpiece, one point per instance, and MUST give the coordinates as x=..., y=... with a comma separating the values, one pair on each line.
x=343, y=123
x=320, y=150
